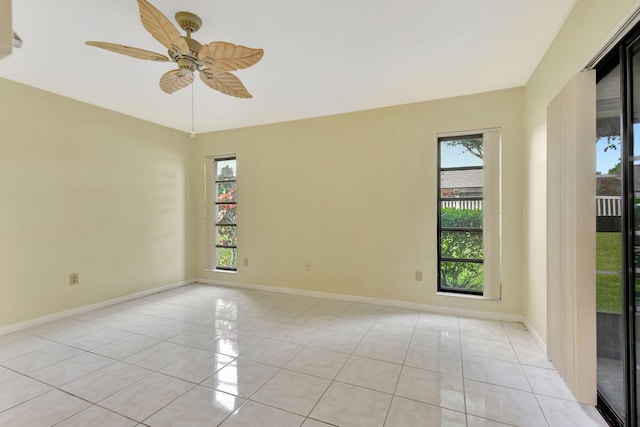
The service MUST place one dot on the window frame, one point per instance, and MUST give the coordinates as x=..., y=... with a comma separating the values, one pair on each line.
x=211, y=213
x=441, y=229
x=492, y=213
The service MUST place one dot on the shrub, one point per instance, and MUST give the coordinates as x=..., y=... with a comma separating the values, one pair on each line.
x=454, y=217
x=461, y=244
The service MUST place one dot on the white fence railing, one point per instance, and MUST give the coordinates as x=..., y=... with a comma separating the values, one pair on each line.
x=608, y=205
x=462, y=204
x=605, y=205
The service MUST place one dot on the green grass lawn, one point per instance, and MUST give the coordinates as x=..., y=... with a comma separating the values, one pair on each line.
x=608, y=286
x=608, y=293
x=608, y=251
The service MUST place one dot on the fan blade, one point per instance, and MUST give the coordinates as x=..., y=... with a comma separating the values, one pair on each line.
x=130, y=51
x=157, y=24
x=224, y=82
x=175, y=80
x=228, y=56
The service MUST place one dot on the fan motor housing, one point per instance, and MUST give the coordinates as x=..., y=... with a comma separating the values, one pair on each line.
x=194, y=45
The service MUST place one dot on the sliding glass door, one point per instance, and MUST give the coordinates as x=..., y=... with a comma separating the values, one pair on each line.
x=609, y=253
x=618, y=231
x=631, y=120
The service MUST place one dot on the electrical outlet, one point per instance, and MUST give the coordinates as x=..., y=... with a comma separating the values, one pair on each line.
x=419, y=276
x=245, y=262
x=74, y=279
x=307, y=266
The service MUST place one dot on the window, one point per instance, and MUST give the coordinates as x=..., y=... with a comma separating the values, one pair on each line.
x=222, y=214
x=469, y=214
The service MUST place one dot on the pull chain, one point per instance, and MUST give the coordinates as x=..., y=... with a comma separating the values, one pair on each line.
x=193, y=128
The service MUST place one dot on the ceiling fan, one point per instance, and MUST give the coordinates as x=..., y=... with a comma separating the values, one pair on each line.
x=213, y=61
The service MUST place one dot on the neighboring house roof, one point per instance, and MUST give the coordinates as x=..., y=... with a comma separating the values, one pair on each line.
x=610, y=185
x=461, y=179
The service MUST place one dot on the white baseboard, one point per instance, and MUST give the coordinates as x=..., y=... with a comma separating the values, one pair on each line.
x=85, y=308
x=351, y=298
x=370, y=300
x=536, y=336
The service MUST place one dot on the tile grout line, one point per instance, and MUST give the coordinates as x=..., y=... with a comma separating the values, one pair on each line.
x=464, y=387
x=335, y=315
x=525, y=374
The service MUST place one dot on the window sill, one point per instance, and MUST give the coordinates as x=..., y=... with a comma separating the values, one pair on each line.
x=215, y=270
x=470, y=296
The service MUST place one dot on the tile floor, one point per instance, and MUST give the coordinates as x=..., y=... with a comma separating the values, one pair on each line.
x=203, y=355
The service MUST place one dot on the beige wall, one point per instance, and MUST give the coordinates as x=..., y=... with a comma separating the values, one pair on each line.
x=86, y=190
x=354, y=195
x=590, y=24
x=90, y=191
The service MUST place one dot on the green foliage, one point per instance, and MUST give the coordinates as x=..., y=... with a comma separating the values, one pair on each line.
x=227, y=257
x=616, y=169
x=454, y=217
x=461, y=275
x=461, y=244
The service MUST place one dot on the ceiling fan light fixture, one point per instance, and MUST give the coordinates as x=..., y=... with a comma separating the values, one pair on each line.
x=186, y=63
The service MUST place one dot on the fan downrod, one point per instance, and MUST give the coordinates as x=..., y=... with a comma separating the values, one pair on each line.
x=188, y=21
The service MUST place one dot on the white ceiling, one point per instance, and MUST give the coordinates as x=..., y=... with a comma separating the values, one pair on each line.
x=321, y=57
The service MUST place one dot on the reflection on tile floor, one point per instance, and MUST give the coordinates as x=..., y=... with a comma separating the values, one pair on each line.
x=205, y=355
